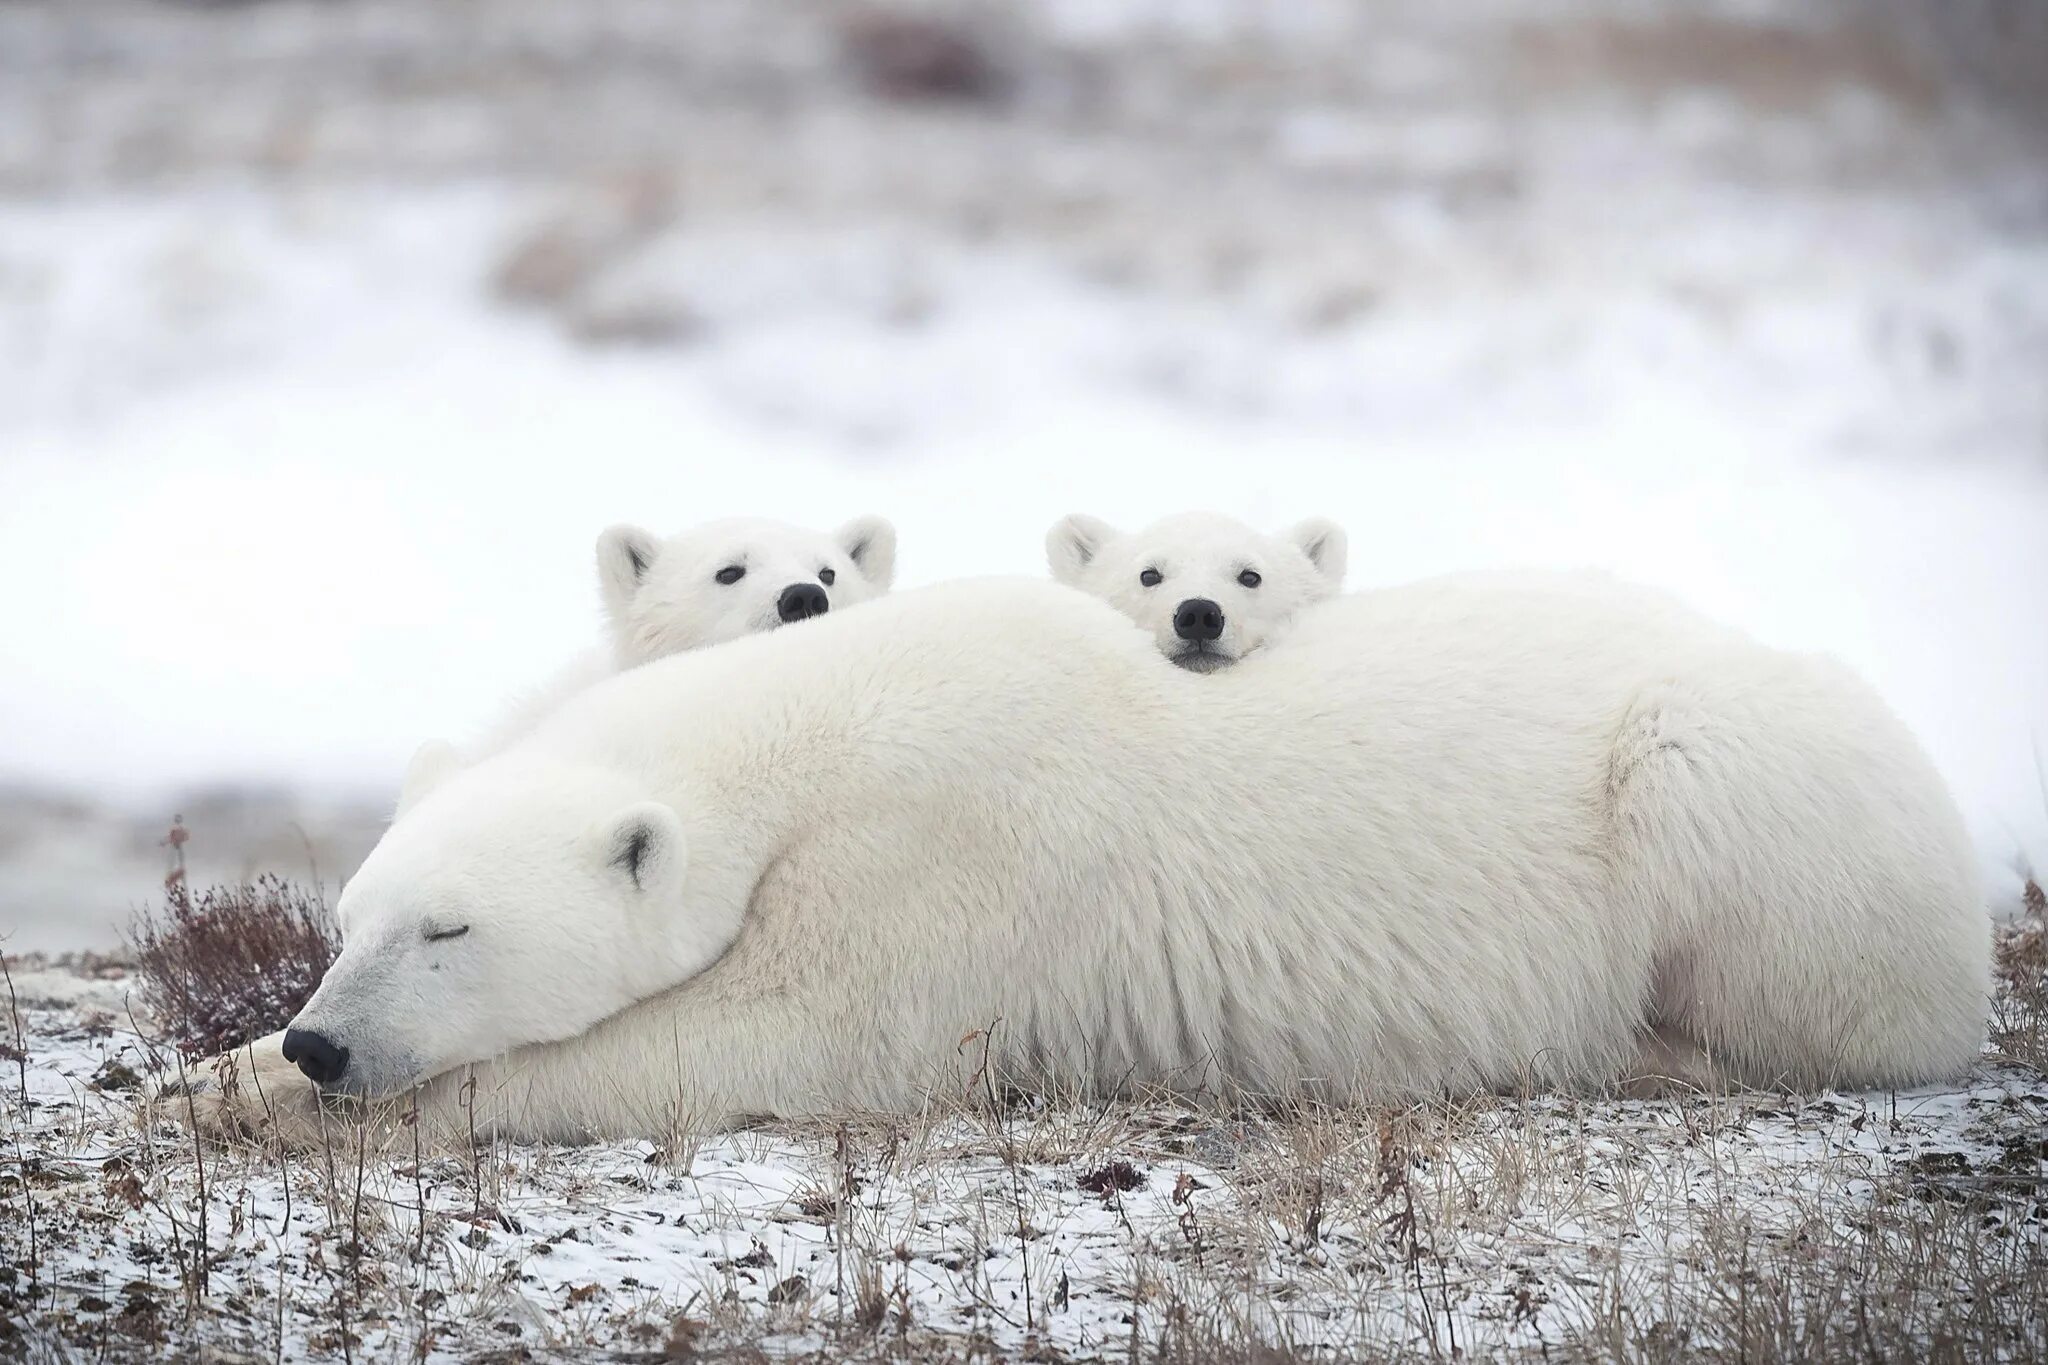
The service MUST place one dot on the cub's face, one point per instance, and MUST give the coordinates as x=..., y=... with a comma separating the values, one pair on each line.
x=1210, y=590
x=726, y=579
x=514, y=904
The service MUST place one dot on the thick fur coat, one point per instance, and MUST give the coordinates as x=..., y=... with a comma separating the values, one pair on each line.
x=1467, y=834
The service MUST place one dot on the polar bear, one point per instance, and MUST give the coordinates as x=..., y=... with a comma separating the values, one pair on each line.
x=1451, y=837
x=726, y=579
x=1209, y=588
x=713, y=583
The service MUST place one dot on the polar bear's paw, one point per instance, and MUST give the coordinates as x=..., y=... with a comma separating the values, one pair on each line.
x=1669, y=1064
x=251, y=1094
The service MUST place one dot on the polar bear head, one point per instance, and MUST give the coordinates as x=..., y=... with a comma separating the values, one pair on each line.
x=1209, y=589
x=726, y=579
x=518, y=901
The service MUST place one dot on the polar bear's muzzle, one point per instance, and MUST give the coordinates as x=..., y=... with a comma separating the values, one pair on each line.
x=1198, y=626
x=1201, y=659
x=322, y=1059
x=801, y=601
x=352, y=1037
x=342, y=1062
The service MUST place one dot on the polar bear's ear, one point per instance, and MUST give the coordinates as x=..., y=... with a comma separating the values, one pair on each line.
x=624, y=555
x=870, y=542
x=1073, y=542
x=643, y=845
x=1325, y=545
x=432, y=764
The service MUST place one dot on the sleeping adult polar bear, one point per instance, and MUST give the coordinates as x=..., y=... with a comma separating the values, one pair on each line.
x=1458, y=835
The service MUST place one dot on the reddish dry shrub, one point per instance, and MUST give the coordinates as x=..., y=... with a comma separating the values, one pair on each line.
x=2022, y=946
x=232, y=963
x=2019, y=1012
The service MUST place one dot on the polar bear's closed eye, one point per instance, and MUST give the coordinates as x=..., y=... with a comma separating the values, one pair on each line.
x=1208, y=589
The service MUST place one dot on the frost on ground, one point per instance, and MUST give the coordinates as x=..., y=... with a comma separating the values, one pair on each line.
x=1908, y=1225
x=330, y=335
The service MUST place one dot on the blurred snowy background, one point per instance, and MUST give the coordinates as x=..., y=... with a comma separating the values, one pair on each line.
x=332, y=331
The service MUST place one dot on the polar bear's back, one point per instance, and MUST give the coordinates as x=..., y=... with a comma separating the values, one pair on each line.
x=1398, y=850
x=1761, y=815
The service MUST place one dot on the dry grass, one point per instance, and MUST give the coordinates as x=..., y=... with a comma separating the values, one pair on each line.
x=2019, y=1017
x=231, y=963
x=1000, y=1225
x=1777, y=66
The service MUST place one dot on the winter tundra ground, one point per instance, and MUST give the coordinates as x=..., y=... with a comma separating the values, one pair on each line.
x=1832, y=1226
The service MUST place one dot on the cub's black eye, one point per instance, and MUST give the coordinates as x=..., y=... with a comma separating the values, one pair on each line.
x=731, y=573
x=1151, y=578
x=1250, y=578
x=826, y=576
x=439, y=935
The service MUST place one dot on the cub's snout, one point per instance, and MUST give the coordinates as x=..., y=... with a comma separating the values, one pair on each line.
x=801, y=601
x=1198, y=620
x=1209, y=590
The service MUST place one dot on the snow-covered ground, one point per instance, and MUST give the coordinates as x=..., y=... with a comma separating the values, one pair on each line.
x=310, y=411
x=1501, y=1227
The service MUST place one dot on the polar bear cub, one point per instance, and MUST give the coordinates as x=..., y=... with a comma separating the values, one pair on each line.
x=726, y=579
x=713, y=583
x=1209, y=588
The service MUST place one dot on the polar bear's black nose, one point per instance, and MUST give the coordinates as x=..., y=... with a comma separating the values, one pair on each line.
x=321, y=1060
x=802, y=600
x=1198, y=619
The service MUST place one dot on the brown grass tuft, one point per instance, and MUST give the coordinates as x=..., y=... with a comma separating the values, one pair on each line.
x=231, y=963
x=1118, y=1177
x=2019, y=1014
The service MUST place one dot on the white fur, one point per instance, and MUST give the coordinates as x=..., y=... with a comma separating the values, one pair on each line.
x=663, y=597
x=1459, y=835
x=1201, y=557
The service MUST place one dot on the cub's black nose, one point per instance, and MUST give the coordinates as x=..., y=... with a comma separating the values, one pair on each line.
x=320, y=1059
x=1198, y=619
x=802, y=600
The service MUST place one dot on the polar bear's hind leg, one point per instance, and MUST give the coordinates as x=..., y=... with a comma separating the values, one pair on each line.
x=1808, y=877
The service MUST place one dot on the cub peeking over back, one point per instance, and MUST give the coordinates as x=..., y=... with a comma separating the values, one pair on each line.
x=708, y=585
x=725, y=579
x=1210, y=589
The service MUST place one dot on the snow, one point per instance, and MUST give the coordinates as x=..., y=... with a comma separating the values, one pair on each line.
x=1525, y=1218
x=272, y=457
x=293, y=486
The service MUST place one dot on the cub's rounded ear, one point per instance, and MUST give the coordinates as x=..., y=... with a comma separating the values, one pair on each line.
x=1073, y=542
x=870, y=542
x=1325, y=545
x=624, y=555
x=432, y=764
x=643, y=846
